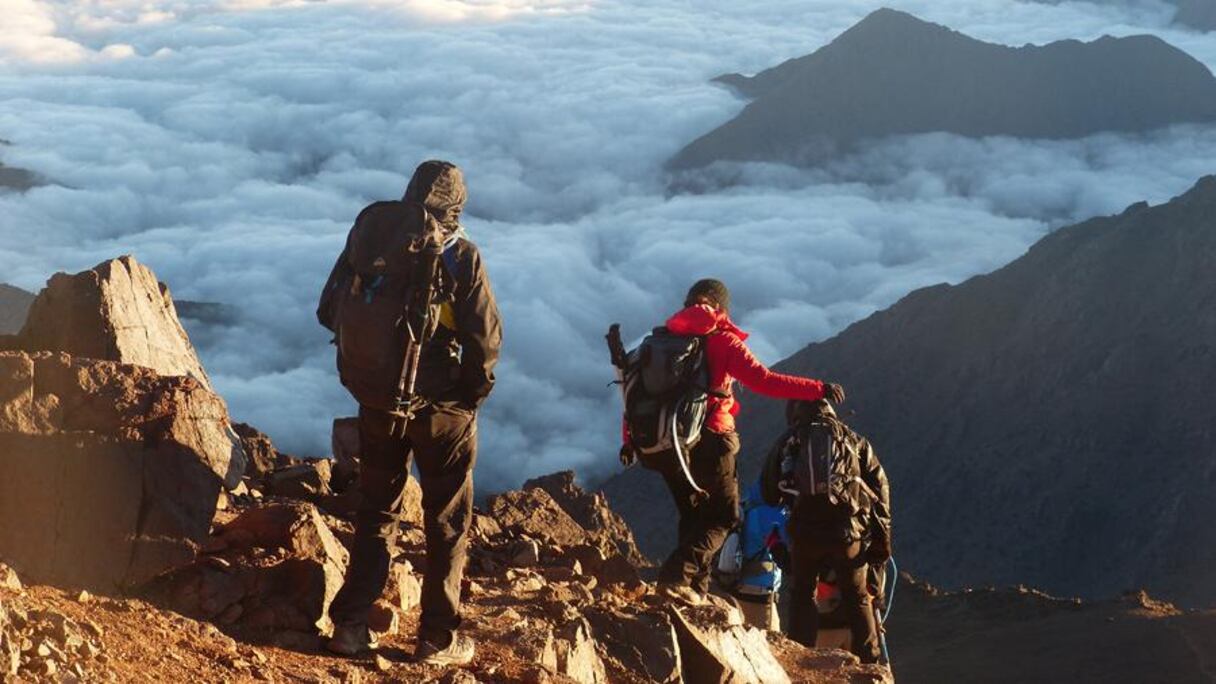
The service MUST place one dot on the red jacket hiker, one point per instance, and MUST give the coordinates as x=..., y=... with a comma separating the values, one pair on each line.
x=729, y=359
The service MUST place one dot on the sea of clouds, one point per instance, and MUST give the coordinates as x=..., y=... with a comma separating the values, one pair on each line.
x=229, y=145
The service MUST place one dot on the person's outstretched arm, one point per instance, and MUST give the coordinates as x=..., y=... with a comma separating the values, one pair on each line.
x=747, y=369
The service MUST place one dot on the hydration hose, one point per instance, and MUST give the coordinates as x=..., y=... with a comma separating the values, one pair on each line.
x=882, y=632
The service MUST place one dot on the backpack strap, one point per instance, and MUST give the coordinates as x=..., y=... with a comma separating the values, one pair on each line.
x=447, y=314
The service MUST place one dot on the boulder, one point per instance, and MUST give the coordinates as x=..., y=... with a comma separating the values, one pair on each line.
x=404, y=588
x=10, y=644
x=112, y=471
x=643, y=644
x=308, y=480
x=534, y=512
x=591, y=511
x=716, y=646
x=576, y=653
x=261, y=456
x=116, y=311
x=9, y=579
x=279, y=562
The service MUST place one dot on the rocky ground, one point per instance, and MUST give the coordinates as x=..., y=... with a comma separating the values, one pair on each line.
x=248, y=609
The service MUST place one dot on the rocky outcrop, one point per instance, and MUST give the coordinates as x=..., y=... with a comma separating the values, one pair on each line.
x=275, y=566
x=14, y=306
x=111, y=471
x=893, y=74
x=607, y=530
x=717, y=647
x=116, y=311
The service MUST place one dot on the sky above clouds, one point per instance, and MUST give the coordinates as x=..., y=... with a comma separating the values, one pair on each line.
x=230, y=144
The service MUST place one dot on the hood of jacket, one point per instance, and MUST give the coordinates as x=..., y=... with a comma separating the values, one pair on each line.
x=700, y=319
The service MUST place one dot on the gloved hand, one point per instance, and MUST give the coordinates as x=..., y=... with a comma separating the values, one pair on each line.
x=628, y=455
x=834, y=393
x=879, y=550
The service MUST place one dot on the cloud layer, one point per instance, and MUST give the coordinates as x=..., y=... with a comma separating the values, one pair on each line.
x=229, y=146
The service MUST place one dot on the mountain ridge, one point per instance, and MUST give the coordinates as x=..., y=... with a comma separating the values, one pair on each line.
x=894, y=74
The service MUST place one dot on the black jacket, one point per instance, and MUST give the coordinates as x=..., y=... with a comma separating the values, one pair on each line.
x=811, y=518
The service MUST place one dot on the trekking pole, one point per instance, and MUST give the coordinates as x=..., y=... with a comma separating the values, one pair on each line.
x=417, y=317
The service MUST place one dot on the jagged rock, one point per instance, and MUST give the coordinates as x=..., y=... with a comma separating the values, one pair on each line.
x=10, y=644
x=404, y=589
x=534, y=512
x=532, y=641
x=524, y=553
x=9, y=579
x=308, y=480
x=282, y=564
x=591, y=511
x=643, y=644
x=261, y=456
x=125, y=465
x=716, y=647
x=577, y=657
x=116, y=311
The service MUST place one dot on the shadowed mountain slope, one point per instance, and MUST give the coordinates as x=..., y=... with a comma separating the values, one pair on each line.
x=1021, y=635
x=893, y=74
x=14, y=306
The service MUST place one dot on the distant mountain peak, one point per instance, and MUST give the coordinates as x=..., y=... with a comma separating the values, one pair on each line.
x=895, y=74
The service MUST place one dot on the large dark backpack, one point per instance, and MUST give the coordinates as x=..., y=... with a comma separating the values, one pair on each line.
x=825, y=466
x=365, y=300
x=664, y=382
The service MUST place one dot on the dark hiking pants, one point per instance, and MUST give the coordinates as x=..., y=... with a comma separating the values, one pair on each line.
x=443, y=442
x=807, y=558
x=704, y=526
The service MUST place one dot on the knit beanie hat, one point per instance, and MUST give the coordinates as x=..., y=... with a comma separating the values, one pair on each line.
x=713, y=290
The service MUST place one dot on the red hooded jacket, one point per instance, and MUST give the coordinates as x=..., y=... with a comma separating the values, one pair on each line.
x=729, y=359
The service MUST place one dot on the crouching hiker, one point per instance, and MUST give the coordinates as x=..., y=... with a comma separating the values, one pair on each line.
x=840, y=519
x=418, y=335
x=680, y=420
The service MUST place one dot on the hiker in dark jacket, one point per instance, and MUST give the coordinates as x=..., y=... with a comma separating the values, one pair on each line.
x=704, y=525
x=455, y=375
x=840, y=518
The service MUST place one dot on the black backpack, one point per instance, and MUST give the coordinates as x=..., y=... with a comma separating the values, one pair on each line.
x=824, y=466
x=366, y=298
x=664, y=382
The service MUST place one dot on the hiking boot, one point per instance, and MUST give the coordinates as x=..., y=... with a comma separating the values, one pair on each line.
x=459, y=652
x=351, y=640
x=681, y=593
